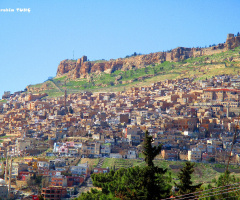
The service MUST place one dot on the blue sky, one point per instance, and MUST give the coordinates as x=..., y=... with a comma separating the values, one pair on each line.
x=33, y=44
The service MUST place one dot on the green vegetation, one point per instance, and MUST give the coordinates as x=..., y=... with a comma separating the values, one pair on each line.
x=5, y=136
x=149, y=182
x=198, y=68
x=222, y=188
x=53, y=93
x=150, y=152
x=92, y=162
x=132, y=55
x=203, y=172
x=60, y=78
x=152, y=179
x=185, y=184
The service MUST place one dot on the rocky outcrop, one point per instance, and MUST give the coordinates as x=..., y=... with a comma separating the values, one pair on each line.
x=81, y=68
x=232, y=42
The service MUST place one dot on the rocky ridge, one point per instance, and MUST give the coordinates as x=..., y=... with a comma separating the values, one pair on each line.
x=81, y=68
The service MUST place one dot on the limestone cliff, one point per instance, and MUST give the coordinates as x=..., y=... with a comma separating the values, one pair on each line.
x=82, y=67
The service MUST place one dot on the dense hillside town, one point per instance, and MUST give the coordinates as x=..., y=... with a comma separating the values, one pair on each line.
x=46, y=137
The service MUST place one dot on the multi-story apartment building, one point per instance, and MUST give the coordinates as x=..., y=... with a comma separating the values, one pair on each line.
x=54, y=193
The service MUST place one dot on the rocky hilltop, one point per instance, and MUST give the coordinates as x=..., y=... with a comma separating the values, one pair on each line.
x=81, y=68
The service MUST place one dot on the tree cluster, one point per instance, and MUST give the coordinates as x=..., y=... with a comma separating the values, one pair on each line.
x=149, y=182
x=132, y=55
x=225, y=187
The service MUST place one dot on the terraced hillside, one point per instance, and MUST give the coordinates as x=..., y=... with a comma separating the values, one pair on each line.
x=198, y=68
x=204, y=172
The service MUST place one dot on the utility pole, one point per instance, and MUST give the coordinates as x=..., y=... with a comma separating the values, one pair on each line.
x=6, y=166
x=73, y=54
x=10, y=177
x=65, y=101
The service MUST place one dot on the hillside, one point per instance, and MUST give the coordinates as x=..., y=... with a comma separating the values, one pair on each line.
x=204, y=172
x=116, y=75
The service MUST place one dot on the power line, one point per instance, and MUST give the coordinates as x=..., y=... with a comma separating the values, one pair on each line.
x=220, y=193
x=196, y=193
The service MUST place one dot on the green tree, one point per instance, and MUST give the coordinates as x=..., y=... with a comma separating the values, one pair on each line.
x=226, y=179
x=149, y=151
x=95, y=194
x=222, y=189
x=135, y=183
x=131, y=73
x=154, y=72
x=185, y=186
x=208, y=194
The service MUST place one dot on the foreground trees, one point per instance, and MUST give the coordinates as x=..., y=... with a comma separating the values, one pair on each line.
x=185, y=185
x=150, y=182
x=225, y=187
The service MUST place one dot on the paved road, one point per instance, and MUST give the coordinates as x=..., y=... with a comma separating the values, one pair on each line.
x=87, y=185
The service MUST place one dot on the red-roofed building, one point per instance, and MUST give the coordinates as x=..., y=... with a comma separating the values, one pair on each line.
x=227, y=97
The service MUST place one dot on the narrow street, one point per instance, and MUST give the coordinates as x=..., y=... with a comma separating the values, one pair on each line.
x=86, y=186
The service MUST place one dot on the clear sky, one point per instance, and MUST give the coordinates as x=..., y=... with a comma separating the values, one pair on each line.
x=32, y=44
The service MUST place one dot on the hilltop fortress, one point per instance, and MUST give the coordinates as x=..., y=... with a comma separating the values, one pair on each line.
x=81, y=68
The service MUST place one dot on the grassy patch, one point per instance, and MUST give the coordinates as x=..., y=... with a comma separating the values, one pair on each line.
x=198, y=68
x=62, y=78
x=5, y=136
x=203, y=173
x=91, y=162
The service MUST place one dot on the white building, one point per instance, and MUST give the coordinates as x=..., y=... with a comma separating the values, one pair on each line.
x=80, y=169
x=194, y=155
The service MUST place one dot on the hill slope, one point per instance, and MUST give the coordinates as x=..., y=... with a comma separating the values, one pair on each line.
x=144, y=69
